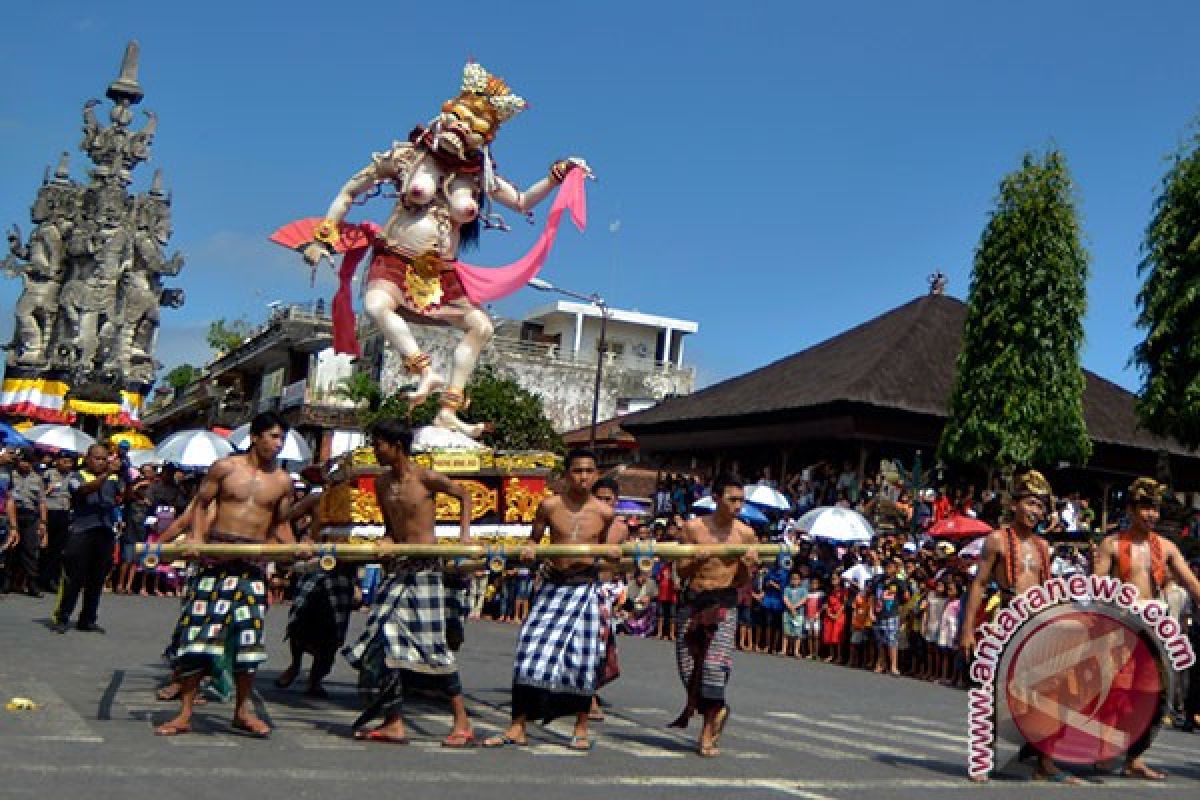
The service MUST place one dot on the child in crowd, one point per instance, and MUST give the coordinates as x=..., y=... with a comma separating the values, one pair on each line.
x=935, y=605
x=833, y=625
x=793, y=614
x=948, y=634
x=812, y=616
x=861, y=621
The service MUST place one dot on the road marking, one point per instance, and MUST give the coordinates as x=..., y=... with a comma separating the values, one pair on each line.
x=960, y=740
x=858, y=730
x=648, y=711
x=943, y=725
x=857, y=744
x=334, y=776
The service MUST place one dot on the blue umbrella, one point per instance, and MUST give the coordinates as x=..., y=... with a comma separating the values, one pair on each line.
x=749, y=514
x=11, y=437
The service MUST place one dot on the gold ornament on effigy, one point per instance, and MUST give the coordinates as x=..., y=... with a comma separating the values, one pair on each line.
x=483, y=502
x=423, y=281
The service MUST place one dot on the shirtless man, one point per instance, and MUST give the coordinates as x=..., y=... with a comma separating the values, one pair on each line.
x=559, y=653
x=404, y=644
x=252, y=495
x=607, y=491
x=1148, y=561
x=708, y=611
x=1016, y=558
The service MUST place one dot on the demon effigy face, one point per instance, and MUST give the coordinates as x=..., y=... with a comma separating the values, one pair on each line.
x=469, y=122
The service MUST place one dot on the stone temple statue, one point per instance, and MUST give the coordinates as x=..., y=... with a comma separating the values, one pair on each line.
x=94, y=263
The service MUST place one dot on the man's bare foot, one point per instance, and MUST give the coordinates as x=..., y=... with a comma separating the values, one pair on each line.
x=250, y=725
x=175, y=727
x=1139, y=769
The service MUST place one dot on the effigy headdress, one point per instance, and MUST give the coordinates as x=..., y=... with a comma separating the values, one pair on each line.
x=487, y=98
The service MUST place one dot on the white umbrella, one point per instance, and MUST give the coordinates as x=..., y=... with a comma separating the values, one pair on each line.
x=193, y=448
x=836, y=524
x=973, y=549
x=60, y=437
x=139, y=458
x=767, y=497
x=294, y=446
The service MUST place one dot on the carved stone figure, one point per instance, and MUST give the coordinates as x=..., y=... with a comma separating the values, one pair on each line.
x=94, y=263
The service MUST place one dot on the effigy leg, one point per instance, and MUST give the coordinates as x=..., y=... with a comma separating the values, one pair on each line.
x=477, y=332
x=380, y=306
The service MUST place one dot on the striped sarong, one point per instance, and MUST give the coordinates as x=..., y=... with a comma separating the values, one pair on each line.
x=559, y=648
x=706, y=629
x=321, y=608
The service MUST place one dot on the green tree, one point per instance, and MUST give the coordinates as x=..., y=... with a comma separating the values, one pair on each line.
x=1169, y=304
x=181, y=376
x=224, y=335
x=519, y=420
x=361, y=389
x=1018, y=392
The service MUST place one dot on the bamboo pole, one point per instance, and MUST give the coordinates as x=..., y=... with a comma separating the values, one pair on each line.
x=331, y=552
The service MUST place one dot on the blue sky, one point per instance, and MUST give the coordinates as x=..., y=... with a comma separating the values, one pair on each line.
x=779, y=170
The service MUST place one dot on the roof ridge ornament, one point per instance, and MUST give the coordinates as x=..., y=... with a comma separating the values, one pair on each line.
x=937, y=283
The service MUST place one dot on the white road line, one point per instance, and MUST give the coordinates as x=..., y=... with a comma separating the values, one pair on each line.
x=879, y=723
x=657, y=712
x=859, y=730
x=333, y=776
x=188, y=740
x=857, y=744
x=931, y=723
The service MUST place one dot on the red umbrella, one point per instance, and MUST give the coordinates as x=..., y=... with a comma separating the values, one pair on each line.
x=959, y=527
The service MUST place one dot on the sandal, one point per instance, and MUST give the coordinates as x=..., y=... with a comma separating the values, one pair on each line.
x=709, y=750
x=504, y=740
x=460, y=739
x=1143, y=772
x=1059, y=776
x=581, y=743
x=172, y=729
x=379, y=736
x=254, y=732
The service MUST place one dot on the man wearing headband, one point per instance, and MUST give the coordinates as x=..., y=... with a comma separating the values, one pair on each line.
x=1149, y=561
x=1016, y=558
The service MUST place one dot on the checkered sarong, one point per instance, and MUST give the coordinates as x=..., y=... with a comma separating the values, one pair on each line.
x=408, y=619
x=559, y=649
x=338, y=587
x=225, y=613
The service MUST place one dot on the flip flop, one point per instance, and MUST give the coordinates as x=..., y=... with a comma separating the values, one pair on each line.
x=581, y=743
x=1061, y=777
x=380, y=737
x=1143, y=773
x=167, y=729
x=458, y=740
x=242, y=729
x=708, y=751
x=504, y=740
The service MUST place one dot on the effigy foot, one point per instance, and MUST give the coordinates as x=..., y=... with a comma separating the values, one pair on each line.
x=428, y=381
x=446, y=418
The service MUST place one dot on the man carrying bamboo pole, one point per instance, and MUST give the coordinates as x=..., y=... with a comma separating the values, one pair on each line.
x=559, y=652
x=404, y=645
x=607, y=491
x=707, y=616
x=252, y=494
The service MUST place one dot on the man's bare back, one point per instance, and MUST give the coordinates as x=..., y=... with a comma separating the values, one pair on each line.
x=252, y=501
x=717, y=572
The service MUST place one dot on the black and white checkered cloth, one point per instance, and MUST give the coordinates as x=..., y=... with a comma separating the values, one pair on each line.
x=409, y=617
x=338, y=585
x=559, y=649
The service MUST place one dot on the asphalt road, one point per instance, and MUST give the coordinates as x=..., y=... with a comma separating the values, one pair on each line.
x=798, y=729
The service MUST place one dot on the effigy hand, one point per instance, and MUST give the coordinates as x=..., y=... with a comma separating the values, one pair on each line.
x=314, y=252
x=561, y=167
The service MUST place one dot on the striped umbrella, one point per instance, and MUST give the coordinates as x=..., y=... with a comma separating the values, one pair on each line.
x=193, y=448
x=60, y=437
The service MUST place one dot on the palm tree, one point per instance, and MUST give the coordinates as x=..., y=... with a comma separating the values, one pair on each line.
x=361, y=389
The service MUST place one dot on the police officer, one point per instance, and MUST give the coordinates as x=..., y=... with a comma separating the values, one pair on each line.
x=87, y=558
x=26, y=525
x=58, y=519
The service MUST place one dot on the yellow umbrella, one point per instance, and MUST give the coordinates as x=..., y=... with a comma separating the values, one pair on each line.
x=137, y=441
